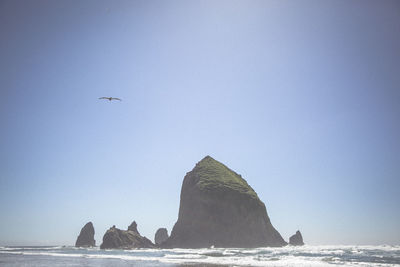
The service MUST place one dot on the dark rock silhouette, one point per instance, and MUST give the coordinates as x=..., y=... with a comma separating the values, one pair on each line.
x=160, y=236
x=132, y=227
x=86, y=236
x=125, y=239
x=218, y=208
x=296, y=239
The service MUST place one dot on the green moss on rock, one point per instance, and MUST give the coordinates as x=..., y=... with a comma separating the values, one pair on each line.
x=215, y=176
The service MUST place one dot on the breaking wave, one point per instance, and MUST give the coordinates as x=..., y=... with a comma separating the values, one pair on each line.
x=286, y=256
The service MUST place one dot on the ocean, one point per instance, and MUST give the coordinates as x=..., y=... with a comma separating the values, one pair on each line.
x=286, y=256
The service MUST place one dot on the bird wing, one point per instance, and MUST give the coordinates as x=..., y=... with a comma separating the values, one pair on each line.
x=116, y=98
x=103, y=97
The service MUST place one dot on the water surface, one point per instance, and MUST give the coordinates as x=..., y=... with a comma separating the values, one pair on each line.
x=286, y=256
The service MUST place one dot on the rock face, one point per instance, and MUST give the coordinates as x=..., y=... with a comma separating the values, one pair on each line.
x=160, y=236
x=125, y=239
x=296, y=239
x=86, y=237
x=218, y=208
x=133, y=227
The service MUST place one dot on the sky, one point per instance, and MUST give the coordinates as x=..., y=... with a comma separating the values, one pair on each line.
x=299, y=97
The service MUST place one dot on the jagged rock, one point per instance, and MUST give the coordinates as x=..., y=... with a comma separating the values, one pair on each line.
x=133, y=227
x=86, y=236
x=218, y=208
x=296, y=239
x=160, y=236
x=125, y=239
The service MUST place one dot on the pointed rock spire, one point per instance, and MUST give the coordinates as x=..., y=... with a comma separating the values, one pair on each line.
x=86, y=236
x=296, y=239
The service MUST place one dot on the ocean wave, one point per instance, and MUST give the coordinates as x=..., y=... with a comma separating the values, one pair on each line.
x=286, y=256
x=11, y=248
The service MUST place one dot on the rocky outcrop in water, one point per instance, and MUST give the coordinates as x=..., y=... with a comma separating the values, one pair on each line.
x=218, y=208
x=296, y=239
x=125, y=239
x=86, y=236
x=160, y=236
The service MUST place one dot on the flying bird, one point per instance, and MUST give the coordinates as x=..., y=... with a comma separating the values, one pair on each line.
x=110, y=98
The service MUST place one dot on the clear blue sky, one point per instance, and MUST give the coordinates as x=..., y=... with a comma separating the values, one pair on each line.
x=300, y=97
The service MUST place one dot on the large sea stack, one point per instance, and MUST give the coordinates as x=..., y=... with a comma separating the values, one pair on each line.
x=86, y=237
x=218, y=208
x=125, y=239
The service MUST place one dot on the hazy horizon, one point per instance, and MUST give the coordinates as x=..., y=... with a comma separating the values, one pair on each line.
x=299, y=97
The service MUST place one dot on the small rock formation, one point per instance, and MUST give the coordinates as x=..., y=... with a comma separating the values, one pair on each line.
x=86, y=237
x=125, y=239
x=296, y=239
x=160, y=236
x=218, y=208
x=133, y=227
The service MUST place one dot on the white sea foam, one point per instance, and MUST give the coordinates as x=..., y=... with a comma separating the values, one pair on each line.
x=286, y=256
